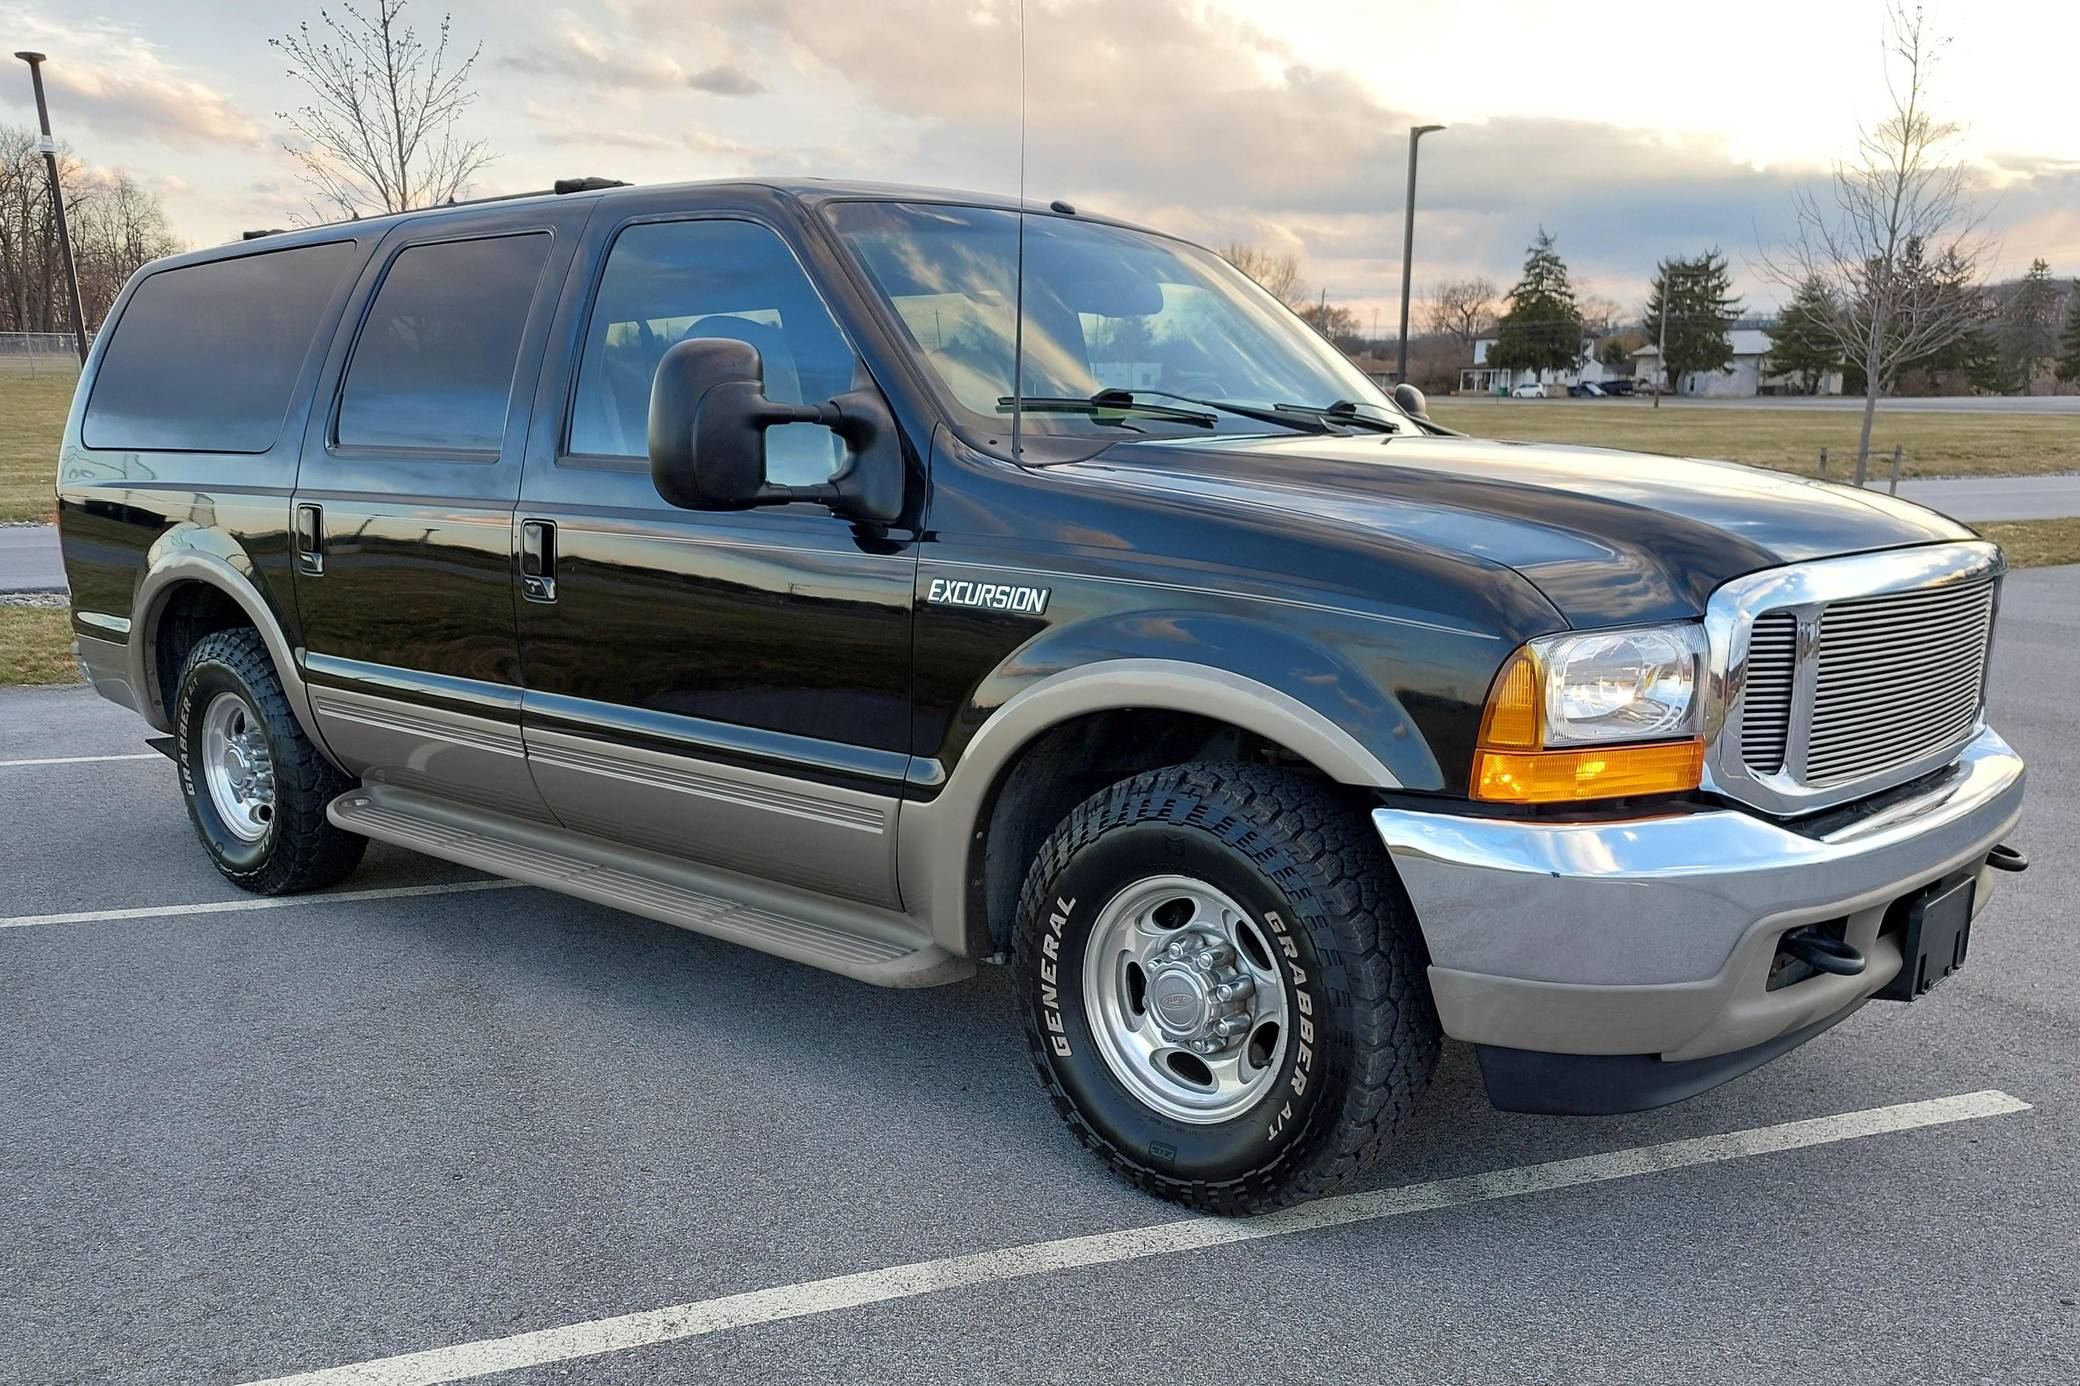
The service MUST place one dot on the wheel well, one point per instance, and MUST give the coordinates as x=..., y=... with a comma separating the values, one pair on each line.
x=1066, y=764
x=189, y=612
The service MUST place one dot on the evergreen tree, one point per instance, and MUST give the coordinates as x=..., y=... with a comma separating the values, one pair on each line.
x=1701, y=311
x=1803, y=344
x=2069, y=356
x=2029, y=326
x=1542, y=331
x=1984, y=367
x=1944, y=287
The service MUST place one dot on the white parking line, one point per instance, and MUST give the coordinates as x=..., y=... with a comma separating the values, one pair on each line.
x=652, y=1326
x=81, y=760
x=255, y=902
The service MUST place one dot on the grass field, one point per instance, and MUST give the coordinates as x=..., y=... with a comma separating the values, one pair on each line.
x=1786, y=440
x=36, y=645
x=32, y=417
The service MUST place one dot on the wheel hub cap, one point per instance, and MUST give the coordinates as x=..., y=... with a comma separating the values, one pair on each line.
x=1183, y=999
x=237, y=766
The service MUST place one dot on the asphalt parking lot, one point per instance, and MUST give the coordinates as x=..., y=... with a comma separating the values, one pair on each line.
x=484, y=1124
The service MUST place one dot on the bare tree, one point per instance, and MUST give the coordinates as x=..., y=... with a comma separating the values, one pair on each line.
x=379, y=134
x=1276, y=273
x=1601, y=317
x=1899, y=238
x=117, y=225
x=1462, y=309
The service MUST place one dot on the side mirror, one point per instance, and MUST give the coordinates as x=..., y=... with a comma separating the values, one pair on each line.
x=708, y=420
x=1411, y=400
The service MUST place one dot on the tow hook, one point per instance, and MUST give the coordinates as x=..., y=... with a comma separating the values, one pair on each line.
x=1824, y=952
x=2006, y=858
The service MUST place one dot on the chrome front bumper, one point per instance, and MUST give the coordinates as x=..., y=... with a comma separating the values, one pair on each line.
x=1655, y=936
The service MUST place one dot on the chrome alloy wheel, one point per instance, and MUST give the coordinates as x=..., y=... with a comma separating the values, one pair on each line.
x=237, y=766
x=1184, y=999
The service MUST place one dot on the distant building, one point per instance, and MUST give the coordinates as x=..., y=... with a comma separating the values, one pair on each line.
x=1747, y=377
x=1480, y=378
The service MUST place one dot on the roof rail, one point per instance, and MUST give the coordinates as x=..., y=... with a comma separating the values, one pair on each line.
x=562, y=187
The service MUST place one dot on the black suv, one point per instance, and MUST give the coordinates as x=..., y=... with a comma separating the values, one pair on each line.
x=897, y=580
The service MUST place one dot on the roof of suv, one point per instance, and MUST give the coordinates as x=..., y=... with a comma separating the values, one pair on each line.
x=811, y=191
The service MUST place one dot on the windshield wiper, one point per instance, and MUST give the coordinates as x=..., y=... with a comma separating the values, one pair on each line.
x=1288, y=415
x=1346, y=413
x=1105, y=402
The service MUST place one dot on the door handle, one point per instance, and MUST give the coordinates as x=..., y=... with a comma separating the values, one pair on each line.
x=310, y=540
x=538, y=560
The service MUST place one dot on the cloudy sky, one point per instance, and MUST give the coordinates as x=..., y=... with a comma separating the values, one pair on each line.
x=1630, y=132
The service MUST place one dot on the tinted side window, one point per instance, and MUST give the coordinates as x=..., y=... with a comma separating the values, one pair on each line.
x=205, y=357
x=434, y=366
x=668, y=282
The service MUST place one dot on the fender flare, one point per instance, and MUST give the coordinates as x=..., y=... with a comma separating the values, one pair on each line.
x=172, y=564
x=934, y=838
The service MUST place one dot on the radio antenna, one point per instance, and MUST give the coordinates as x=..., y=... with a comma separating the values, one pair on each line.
x=1018, y=287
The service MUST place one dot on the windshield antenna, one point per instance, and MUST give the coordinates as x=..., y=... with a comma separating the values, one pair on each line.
x=1018, y=287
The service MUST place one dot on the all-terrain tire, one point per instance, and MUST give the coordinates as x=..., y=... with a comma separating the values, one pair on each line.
x=300, y=849
x=1296, y=857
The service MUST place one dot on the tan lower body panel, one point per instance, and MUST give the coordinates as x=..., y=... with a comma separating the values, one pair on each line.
x=834, y=841
x=860, y=941
x=478, y=760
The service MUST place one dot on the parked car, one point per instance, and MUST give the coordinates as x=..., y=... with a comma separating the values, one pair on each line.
x=1528, y=392
x=1619, y=386
x=1585, y=389
x=691, y=550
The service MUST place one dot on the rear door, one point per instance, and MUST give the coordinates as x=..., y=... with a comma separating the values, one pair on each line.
x=728, y=687
x=403, y=508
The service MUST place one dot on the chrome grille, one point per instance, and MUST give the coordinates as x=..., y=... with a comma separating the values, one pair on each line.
x=1846, y=676
x=1897, y=677
x=1772, y=661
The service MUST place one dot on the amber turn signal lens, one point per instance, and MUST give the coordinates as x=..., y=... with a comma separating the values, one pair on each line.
x=1514, y=717
x=1603, y=772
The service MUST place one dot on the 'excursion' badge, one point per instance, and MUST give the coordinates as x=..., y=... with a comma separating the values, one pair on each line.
x=988, y=596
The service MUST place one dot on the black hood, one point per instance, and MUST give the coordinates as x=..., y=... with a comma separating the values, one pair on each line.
x=1608, y=537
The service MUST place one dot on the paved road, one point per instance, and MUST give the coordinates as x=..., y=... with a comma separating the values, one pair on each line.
x=237, y=1145
x=29, y=560
x=1973, y=498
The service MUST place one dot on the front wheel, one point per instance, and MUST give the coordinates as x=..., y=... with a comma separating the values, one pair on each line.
x=256, y=787
x=1222, y=985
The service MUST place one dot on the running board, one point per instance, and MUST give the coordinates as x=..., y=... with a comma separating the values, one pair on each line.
x=872, y=945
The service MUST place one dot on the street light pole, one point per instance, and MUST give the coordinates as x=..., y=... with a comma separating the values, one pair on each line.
x=49, y=146
x=1408, y=243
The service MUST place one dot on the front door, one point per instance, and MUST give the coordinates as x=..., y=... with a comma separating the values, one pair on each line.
x=404, y=503
x=728, y=687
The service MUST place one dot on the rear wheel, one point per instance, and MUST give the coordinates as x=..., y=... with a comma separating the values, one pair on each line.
x=1222, y=985
x=255, y=785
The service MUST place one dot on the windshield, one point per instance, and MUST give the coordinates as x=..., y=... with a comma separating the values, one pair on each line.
x=1106, y=309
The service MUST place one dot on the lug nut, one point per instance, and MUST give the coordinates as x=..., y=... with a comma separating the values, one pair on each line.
x=1241, y=989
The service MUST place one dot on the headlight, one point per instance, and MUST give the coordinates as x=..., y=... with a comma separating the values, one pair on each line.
x=1621, y=685
x=1595, y=714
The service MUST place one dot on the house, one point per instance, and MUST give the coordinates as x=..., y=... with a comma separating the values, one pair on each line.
x=1747, y=376
x=1480, y=378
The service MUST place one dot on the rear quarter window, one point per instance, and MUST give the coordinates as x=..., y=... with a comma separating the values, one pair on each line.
x=205, y=357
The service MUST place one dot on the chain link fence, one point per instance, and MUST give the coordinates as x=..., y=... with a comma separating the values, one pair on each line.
x=39, y=353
